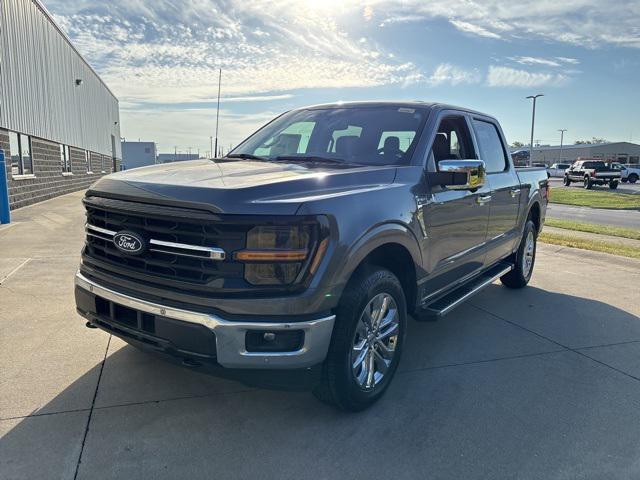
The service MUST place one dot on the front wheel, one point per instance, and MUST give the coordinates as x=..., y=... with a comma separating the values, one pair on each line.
x=633, y=178
x=588, y=184
x=367, y=341
x=525, y=258
x=567, y=181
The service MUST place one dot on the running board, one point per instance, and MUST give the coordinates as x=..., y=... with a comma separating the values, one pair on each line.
x=443, y=305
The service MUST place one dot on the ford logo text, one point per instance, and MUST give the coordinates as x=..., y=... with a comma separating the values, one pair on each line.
x=128, y=242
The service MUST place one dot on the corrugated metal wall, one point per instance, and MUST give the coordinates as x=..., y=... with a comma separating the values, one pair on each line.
x=38, y=69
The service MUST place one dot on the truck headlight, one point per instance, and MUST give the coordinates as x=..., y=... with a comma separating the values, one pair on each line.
x=275, y=255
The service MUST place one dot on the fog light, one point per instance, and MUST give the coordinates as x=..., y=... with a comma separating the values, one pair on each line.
x=274, y=341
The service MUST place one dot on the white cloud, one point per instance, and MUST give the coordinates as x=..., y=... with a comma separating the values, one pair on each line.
x=578, y=22
x=446, y=73
x=156, y=52
x=547, y=62
x=512, y=77
x=536, y=61
x=571, y=61
x=474, y=29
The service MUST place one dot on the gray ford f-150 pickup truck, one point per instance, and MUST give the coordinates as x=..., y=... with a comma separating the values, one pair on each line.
x=295, y=259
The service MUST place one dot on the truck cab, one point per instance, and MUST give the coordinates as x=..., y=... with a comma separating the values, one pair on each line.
x=301, y=253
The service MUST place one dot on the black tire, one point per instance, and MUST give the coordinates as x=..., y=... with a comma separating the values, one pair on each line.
x=521, y=274
x=624, y=180
x=338, y=385
x=633, y=178
x=567, y=181
x=588, y=184
x=613, y=185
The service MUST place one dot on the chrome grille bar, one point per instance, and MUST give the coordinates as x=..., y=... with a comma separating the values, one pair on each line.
x=161, y=246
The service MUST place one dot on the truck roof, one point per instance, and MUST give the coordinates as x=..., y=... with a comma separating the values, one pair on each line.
x=391, y=103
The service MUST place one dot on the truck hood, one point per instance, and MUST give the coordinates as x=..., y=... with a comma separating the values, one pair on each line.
x=241, y=187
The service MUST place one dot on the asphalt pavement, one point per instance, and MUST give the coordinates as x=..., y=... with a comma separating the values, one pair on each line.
x=538, y=383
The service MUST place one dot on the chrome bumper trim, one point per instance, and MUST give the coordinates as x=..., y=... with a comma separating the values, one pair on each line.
x=230, y=336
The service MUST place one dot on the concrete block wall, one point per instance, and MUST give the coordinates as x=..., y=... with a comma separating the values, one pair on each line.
x=48, y=180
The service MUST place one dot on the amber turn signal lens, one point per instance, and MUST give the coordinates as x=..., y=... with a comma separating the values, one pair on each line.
x=271, y=255
x=319, y=254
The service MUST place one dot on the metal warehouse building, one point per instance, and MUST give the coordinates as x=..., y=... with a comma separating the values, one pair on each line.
x=59, y=122
x=623, y=152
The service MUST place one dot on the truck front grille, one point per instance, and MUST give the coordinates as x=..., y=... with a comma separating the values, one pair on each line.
x=185, y=247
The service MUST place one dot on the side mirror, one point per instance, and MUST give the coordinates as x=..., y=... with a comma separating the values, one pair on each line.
x=459, y=174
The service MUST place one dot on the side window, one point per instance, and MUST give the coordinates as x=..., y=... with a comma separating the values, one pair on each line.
x=14, y=152
x=491, y=148
x=292, y=140
x=453, y=141
x=20, y=151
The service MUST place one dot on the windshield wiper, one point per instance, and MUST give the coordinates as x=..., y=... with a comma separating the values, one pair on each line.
x=247, y=156
x=313, y=159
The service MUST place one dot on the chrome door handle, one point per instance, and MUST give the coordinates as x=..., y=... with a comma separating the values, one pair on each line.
x=515, y=192
x=482, y=199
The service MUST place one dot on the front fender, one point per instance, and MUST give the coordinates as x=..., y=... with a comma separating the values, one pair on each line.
x=377, y=236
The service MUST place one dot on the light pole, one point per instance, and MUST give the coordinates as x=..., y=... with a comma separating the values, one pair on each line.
x=218, y=110
x=533, y=121
x=561, y=130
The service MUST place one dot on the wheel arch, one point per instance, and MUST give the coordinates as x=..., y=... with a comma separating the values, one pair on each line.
x=392, y=246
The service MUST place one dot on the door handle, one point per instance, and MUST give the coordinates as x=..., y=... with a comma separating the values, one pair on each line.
x=482, y=199
x=515, y=192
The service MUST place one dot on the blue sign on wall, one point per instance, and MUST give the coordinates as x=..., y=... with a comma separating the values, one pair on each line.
x=5, y=213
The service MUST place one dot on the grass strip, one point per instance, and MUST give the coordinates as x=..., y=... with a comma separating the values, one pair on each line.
x=594, y=198
x=633, y=233
x=586, y=244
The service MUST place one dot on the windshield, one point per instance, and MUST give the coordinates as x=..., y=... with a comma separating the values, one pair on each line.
x=382, y=135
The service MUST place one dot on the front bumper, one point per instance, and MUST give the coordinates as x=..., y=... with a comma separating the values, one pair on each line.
x=230, y=336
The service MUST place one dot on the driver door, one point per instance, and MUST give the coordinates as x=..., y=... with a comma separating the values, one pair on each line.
x=456, y=220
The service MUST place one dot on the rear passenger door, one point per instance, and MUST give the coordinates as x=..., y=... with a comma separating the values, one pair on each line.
x=505, y=191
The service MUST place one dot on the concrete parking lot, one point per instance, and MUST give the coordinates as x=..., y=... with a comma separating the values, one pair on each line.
x=541, y=383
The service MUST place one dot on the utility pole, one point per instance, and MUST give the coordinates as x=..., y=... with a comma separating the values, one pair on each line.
x=175, y=153
x=218, y=109
x=211, y=151
x=533, y=121
x=561, y=130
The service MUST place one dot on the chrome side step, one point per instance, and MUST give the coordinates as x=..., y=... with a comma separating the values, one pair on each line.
x=443, y=305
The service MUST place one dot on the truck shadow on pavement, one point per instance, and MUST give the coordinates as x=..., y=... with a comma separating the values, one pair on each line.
x=514, y=383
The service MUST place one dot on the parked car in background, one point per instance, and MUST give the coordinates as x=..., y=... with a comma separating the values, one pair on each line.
x=558, y=169
x=592, y=172
x=628, y=173
x=306, y=247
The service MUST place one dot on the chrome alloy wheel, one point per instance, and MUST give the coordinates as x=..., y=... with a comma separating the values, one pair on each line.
x=375, y=340
x=527, y=258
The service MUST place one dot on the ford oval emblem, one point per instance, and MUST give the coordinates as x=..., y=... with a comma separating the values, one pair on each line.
x=128, y=242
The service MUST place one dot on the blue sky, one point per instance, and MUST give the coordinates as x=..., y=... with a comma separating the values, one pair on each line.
x=161, y=58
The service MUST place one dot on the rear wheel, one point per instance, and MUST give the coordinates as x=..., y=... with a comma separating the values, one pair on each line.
x=633, y=178
x=525, y=258
x=613, y=184
x=567, y=181
x=367, y=341
x=588, y=184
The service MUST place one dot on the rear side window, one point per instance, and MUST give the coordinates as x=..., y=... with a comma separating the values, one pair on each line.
x=491, y=148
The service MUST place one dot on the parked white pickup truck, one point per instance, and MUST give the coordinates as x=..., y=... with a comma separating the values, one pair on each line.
x=558, y=169
x=628, y=173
